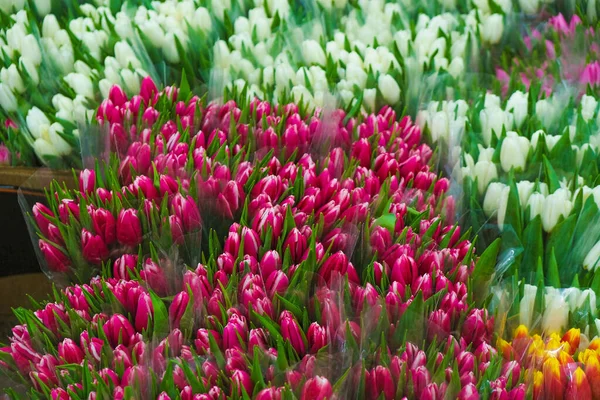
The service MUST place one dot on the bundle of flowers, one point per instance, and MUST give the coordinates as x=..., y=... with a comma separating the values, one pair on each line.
x=117, y=338
x=534, y=176
x=59, y=62
x=554, y=366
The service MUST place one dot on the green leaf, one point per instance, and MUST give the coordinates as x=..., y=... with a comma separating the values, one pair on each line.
x=161, y=317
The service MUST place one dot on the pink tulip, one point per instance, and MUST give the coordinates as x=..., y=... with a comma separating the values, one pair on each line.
x=93, y=247
x=290, y=330
x=178, y=308
x=129, y=228
x=317, y=388
x=56, y=260
x=271, y=393
x=118, y=330
x=241, y=379
x=379, y=382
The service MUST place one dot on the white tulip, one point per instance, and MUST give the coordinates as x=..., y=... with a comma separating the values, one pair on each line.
x=61, y=146
x=551, y=141
x=536, y=204
x=202, y=19
x=153, y=32
x=44, y=148
x=389, y=88
x=556, y=314
x=527, y=305
x=547, y=112
x=104, y=86
x=282, y=7
x=517, y=104
x=485, y=172
x=491, y=101
x=492, y=28
x=81, y=84
x=514, y=151
x=15, y=35
x=456, y=67
x=30, y=69
x=8, y=101
x=30, y=50
x=284, y=75
x=439, y=127
x=529, y=7
x=131, y=81
x=11, y=77
x=556, y=205
x=61, y=102
x=482, y=5
x=592, y=259
x=125, y=56
x=301, y=93
x=50, y=26
x=525, y=189
x=313, y=53
x=43, y=7
x=492, y=121
x=485, y=154
x=170, y=46
x=37, y=122
x=493, y=195
x=588, y=107
x=369, y=96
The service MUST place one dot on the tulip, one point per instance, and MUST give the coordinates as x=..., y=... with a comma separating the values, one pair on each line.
x=154, y=276
x=271, y=393
x=578, y=387
x=41, y=214
x=187, y=211
x=87, y=181
x=104, y=225
x=335, y=265
x=144, y=311
x=317, y=336
x=241, y=379
x=277, y=283
x=379, y=382
x=70, y=352
x=290, y=330
x=178, y=307
x=118, y=330
x=234, y=331
x=556, y=205
x=56, y=260
x=94, y=248
x=129, y=228
x=124, y=266
x=468, y=392
x=270, y=262
x=554, y=378
x=317, y=388
x=592, y=372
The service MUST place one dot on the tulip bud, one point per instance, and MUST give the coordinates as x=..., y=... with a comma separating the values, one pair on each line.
x=290, y=330
x=129, y=228
x=379, y=382
x=118, y=330
x=271, y=393
x=468, y=392
x=241, y=379
x=178, y=307
x=124, y=266
x=70, y=352
x=317, y=388
x=93, y=247
x=317, y=337
x=57, y=261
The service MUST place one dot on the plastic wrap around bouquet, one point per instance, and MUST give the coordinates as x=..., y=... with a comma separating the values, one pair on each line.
x=247, y=250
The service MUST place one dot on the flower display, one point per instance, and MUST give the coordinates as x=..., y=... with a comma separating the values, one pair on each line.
x=306, y=200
